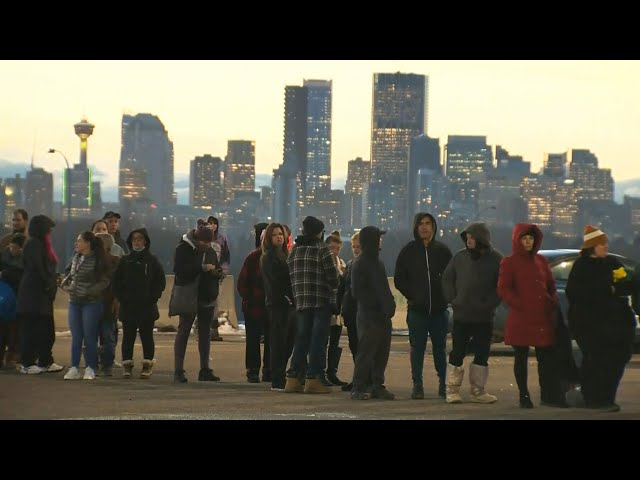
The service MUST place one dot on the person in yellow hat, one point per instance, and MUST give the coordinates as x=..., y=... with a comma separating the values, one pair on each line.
x=601, y=319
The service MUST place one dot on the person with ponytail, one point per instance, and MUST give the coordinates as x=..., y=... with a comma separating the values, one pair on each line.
x=36, y=294
x=86, y=283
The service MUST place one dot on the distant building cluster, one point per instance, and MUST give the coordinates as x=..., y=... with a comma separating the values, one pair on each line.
x=463, y=180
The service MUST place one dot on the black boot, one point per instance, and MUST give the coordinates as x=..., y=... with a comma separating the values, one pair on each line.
x=525, y=400
x=442, y=388
x=253, y=376
x=333, y=360
x=324, y=380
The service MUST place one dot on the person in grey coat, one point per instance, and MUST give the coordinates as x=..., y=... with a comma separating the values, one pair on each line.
x=470, y=284
x=376, y=308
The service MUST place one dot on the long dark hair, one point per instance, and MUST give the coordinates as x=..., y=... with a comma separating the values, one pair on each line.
x=281, y=253
x=97, y=247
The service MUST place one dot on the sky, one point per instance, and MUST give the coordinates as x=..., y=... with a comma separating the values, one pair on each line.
x=529, y=107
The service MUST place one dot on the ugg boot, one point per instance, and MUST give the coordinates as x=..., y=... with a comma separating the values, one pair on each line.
x=293, y=386
x=147, y=366
x=455, y=376
x=313, y=385
x=127, y=366
x=478, y=375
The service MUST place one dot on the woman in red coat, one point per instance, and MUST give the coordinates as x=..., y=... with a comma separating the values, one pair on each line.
x=528, y=288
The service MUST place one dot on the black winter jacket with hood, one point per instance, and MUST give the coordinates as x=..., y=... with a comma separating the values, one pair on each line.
x=187, y=265
x=419, y=269
x=139, y=279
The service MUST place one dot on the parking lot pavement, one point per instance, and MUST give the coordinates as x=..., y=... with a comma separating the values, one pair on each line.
x=48, y=396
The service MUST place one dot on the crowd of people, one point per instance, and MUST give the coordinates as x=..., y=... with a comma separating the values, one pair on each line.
x=298, y=295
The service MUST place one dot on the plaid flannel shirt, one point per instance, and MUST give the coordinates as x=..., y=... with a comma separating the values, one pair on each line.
x=314, y=276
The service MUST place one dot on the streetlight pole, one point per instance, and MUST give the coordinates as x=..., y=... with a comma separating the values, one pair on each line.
x=68, y=200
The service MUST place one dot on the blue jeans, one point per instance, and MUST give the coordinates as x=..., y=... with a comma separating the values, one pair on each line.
x=311, y=338
x=83, y=321
x=422, y=326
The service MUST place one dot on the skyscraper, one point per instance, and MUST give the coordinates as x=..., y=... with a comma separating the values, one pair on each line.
x=466, y=156
x=399, y=113
x=240, y=168
x=146, y=161
x=424, y=156
x=307, y=136
x=39, y=188
x=358, y=177
x=205, y=182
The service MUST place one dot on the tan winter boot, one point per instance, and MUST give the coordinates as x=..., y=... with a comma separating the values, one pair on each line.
x=127, y=366
x=454, y=380
x=293, y=386
x=314, y=385
x=478, y=375
x=147, y=366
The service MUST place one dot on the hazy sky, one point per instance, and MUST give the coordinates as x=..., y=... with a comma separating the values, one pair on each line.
x=528, y=107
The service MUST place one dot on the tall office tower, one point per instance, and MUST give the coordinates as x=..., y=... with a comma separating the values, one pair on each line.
x=358, y=176
x=265, y=211
x=507, y=164
x=96, y=199
x=14, y=196
x=240, y=168
x=538, y=193
x=555, y=166
x=399, y=113
x=146, y=161
x=591, y=182
x=318, y=171
x=287, y=196
x=39, y=192
x=424, y=156
x=465, y=157
x=307, y=136
x=295, y=130
x=564, y=212
x=205, y=182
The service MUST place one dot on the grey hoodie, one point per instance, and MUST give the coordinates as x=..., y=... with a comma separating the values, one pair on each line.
x=470, y=281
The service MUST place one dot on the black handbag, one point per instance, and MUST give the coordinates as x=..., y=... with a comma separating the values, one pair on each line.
x=184, y=299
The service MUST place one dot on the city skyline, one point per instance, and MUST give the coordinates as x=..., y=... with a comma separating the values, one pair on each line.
x=529, y=107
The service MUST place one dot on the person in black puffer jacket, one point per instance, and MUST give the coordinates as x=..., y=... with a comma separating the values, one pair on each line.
x=138, y=284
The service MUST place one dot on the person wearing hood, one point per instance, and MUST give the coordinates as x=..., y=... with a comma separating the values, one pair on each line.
x=470, y=284
x=418, y=276
x=314, y=279
x=256, y=318
x=37, y=291
x=601, y=319
x=376, y=308
x=138, y=283
x=195, y=260
x=526, y=285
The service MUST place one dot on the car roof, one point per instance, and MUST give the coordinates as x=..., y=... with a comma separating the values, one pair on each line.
x=553, y=255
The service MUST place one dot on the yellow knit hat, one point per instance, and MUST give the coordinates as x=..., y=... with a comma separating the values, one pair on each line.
x=593, y=236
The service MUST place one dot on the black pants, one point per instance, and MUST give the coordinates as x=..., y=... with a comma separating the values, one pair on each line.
x=474, y=335
x=38, y=339
x=182, y=337
x=132, y=322
x=548, y=377
x=602, y=370
x=282, y=327
x=10, y=339
x=352, y=334
x=255, y=326
x=374, y=344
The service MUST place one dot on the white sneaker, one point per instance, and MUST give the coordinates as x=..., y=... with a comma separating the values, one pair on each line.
x=89, y=374
x=53, y=368
x=35, y=370
x=72, y=374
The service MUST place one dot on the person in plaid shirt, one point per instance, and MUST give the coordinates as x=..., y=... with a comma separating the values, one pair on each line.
x=314, y=278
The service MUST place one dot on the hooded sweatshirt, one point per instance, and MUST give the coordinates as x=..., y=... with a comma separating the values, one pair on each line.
x=470, y=281
x=419, y=269
x=369, y=283
x=187, y=266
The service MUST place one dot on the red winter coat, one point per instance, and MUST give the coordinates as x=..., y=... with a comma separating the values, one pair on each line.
x=526, y=285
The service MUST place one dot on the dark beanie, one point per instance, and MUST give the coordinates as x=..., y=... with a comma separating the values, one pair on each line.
x=312, y=226
x=259, y=228
x=204, y=233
